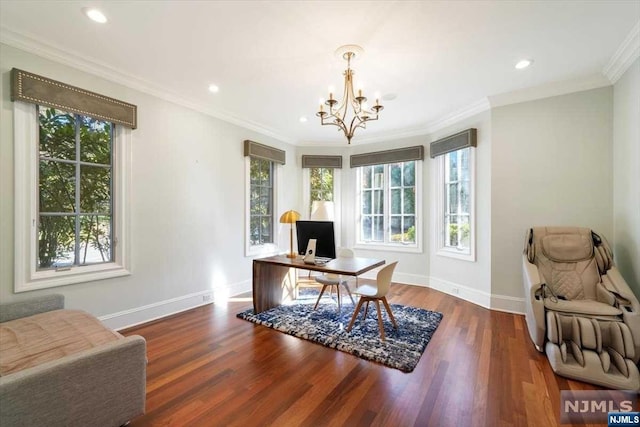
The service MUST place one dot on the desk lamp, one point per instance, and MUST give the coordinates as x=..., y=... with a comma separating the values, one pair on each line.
x=290, y=217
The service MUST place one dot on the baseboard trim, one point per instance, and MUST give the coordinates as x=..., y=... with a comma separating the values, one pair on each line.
x=508, y=304
x=157, y=310
x=457, y=290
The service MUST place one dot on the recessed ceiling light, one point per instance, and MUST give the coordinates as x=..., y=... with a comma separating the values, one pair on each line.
x=524, y=63
x=214, y=89
x=95, y=15
x=303, y=119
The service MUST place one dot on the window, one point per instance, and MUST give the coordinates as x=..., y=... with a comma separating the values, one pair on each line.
x=455, y=204
x=388, y=204
x=261, y=202
x=71, y=184
x=74, y=209
x=321, y=185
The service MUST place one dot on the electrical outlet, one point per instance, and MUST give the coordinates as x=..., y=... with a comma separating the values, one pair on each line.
x=207, y=298
x=455, y=291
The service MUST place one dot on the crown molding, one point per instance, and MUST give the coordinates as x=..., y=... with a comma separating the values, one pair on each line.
x=423, y=130
x=434, y=125
x=626, y=54
x=548, y=90
x=49, y=51
x=459, y=115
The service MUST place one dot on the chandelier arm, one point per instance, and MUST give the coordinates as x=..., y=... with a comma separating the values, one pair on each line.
x=337, y=123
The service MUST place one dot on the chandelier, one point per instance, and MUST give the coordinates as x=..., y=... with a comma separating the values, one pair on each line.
x=352, y=112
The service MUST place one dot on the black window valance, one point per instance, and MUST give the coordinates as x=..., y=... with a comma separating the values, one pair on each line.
x=35, y=89
x=261, y=151
x=388, y=156
x=314, y=161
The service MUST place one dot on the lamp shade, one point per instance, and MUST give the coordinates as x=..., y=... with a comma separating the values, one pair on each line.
x=322, y=210
x=289, y=217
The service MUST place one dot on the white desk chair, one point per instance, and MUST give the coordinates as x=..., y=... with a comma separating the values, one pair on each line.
x=376, y=293
x=331, y=279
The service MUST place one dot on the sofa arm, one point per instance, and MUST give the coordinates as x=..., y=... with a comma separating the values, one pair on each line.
x=29, y=307
x=102, y=386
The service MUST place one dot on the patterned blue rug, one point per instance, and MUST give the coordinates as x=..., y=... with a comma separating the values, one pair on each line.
x=327, y=326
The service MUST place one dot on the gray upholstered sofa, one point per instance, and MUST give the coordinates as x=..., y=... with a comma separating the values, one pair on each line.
x=64, y=367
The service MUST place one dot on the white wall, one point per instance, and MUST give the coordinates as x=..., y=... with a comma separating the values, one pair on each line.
x=551, y=164
x=187, y=203
x=626, y=175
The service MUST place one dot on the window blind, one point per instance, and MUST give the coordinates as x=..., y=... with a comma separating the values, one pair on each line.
x=312, y=161
x=261, y=151
x=464, y=139
x=35, y=89
x=388, y=156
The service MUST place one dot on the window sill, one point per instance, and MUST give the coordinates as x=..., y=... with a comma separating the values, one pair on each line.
x=389, y=247
x=456, y=254
x=52, y=278
x=262, y=251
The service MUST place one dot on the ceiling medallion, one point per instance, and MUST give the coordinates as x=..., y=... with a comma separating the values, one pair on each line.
x=352, y=111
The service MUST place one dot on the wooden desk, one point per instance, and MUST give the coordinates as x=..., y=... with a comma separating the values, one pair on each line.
x=274, y=278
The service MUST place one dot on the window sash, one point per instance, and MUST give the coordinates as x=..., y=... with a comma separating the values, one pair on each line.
x=263, y=187
x=455, y=204
x=379, y=222
x=324, y=191
x=77, y=213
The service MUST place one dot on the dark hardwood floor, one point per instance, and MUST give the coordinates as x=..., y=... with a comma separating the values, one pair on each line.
x=206, y=367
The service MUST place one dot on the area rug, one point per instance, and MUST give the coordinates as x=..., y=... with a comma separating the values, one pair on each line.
x=327, y=326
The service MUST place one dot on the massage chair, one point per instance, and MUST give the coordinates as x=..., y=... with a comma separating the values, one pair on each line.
x=579, y=309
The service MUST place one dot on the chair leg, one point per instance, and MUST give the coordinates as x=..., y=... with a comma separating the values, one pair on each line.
x=338, y=293
x=380, y=324
x=386, y=305
x=355, y=314
x=366, y=310
x=349, y=292
x=320, y=296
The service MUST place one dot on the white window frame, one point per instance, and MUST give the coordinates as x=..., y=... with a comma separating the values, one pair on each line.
x=268, y=248
x=390, y=246
x=439, y=203
x=337, y=205
x=26, y=161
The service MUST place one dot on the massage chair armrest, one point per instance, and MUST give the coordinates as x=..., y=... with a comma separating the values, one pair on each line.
x=531, y=277
x=534, y=302
x=622, y=288
x=630, y=310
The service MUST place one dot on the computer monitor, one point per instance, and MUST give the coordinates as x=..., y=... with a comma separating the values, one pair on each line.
x=322, y=231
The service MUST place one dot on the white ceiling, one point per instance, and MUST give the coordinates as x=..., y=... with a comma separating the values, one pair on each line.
x=274, y=60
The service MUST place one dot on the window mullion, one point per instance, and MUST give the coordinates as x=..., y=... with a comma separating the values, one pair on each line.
x=112, y=235
x=386, y=193
x=76, y=255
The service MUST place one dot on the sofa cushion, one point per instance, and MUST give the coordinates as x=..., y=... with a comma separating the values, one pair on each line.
x=33, y=340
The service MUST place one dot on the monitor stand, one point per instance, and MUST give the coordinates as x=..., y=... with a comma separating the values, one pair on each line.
x=310, y=254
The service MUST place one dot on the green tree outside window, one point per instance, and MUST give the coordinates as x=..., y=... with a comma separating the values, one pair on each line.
x=75, y=207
